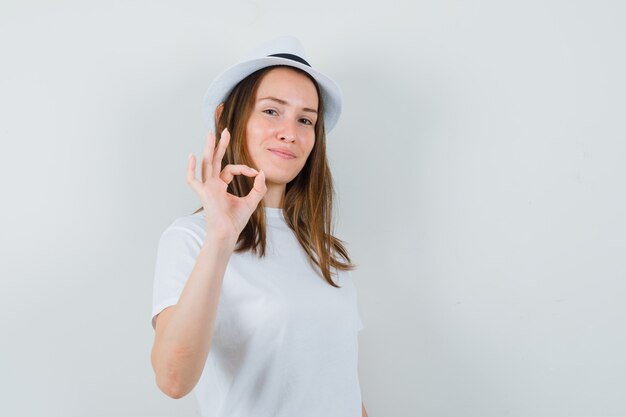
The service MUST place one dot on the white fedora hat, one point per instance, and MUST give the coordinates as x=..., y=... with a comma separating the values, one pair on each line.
x=284, y=50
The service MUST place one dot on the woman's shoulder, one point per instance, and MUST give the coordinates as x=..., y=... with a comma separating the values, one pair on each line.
x=193, y=225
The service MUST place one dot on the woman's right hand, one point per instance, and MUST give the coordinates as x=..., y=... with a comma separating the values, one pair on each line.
x=226, y=214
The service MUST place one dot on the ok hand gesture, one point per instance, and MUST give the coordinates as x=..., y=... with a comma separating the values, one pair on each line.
x=226, y=214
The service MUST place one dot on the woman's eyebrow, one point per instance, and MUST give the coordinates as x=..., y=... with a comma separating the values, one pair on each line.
x=278, y=100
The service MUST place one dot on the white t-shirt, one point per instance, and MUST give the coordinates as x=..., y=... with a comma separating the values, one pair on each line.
x=285, y=341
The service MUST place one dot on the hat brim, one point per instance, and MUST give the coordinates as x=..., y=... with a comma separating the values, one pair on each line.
x=220, y=88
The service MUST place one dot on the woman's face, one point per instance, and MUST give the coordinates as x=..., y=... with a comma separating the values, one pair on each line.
x=280, y=132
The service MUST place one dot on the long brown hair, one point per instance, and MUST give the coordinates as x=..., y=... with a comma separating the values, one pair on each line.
x=308, y=201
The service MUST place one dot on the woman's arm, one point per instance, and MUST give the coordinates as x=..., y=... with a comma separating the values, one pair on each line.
x=363, y=412
x=184, y=331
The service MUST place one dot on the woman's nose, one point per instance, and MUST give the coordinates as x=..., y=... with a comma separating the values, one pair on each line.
x=288, y=131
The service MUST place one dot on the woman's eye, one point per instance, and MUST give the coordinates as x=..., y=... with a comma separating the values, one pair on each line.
x=306, y=121
x=270, y=111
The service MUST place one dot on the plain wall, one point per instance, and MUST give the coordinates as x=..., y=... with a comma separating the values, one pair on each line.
x=480, y=173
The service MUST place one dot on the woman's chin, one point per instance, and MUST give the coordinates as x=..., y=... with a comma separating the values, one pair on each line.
x=277, y=179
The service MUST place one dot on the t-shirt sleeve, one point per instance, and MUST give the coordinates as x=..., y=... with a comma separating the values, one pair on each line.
x=359, y=325
x=359, y=322
x=176, y=256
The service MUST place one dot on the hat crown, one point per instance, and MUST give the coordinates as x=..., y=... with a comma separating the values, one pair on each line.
x=283, y=50
x=279, y=45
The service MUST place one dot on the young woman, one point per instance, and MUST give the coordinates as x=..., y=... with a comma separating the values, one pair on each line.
x=254, y=309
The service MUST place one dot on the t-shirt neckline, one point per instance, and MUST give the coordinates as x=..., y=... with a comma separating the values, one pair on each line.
x=274, y=212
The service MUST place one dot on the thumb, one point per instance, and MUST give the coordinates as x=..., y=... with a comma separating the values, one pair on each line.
x=258, y=190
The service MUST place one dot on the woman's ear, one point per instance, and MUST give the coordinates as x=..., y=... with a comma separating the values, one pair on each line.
x=218, y=112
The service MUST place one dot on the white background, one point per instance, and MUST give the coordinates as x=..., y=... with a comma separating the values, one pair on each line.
x=479, y=167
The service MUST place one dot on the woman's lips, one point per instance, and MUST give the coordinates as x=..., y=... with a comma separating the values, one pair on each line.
x=281, y=154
